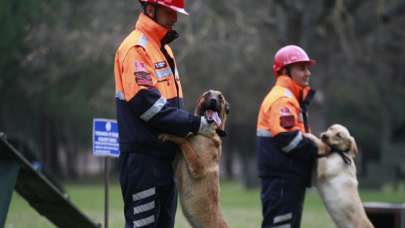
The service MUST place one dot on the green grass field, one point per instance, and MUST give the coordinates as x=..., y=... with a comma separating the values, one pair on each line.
x=241, y=207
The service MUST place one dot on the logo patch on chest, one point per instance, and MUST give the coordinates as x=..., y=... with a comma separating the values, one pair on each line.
x=163, y=73
x=160, y=65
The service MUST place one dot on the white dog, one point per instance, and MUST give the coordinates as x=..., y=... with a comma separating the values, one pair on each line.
x=335, y=178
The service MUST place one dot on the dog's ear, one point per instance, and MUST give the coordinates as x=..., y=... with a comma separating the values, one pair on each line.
x=353, y=146
x=227, y=108
x=198, y=106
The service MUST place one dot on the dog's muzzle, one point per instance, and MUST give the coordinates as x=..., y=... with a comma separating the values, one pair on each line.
x=212, y=104
x=343, y=154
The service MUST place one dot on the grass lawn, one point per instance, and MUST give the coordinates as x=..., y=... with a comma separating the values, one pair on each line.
x=241, y=207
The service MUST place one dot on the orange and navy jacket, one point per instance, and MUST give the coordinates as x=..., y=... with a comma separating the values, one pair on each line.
x=282, y=148
x=148, y=92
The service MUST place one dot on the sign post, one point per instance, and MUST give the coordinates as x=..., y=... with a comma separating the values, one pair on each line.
x=105, y=144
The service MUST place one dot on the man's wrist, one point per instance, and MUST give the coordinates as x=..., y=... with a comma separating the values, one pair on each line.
x=195, y=124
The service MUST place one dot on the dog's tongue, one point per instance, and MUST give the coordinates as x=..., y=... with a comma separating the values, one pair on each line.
x=213, y=116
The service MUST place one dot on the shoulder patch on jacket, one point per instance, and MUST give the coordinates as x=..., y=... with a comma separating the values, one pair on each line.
x=287, y=119
x=142, y=76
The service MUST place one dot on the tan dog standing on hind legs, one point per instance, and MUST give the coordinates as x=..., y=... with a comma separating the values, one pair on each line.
x=335, y=178
x=197, y=168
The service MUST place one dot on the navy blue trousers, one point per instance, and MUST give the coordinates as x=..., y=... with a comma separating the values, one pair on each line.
x=148, y=190
x=282, y=202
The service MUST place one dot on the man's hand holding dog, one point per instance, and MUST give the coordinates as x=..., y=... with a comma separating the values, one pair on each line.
x=323, y=149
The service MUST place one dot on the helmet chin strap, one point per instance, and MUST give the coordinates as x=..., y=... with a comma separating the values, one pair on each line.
x=155, y=10
x=288, y=70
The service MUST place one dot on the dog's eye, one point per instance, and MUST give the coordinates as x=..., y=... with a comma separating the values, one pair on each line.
x=338, y=135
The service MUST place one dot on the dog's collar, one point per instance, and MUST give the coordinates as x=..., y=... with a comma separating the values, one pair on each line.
x=344, y=156
x=342, y=153
x=221, y=133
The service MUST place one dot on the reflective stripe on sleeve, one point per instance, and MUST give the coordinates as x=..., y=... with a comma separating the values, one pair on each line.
x=155, y=109
x=119, y=95
x=263, y=133
x=294, y=143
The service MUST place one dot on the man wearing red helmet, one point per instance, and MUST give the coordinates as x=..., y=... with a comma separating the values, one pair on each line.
x=149, y=102
x=285, y=156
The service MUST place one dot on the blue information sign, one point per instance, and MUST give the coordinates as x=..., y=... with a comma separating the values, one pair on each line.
x=105, y=138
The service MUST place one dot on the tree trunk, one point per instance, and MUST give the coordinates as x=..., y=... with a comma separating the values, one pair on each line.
x=49, y=145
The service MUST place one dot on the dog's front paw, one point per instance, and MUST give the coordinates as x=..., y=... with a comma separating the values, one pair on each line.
x=323, y=149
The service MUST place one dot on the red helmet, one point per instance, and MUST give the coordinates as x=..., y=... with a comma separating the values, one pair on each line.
x=288, y=55
x=176, y=5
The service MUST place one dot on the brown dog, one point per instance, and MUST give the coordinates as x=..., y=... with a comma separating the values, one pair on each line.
x=197, y=171
x=335, y=178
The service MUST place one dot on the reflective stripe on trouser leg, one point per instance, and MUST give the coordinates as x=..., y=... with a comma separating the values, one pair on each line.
x=154, y=210
x=282, y=218
x=282, y=226
x=143, y=206
x=144, y=222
